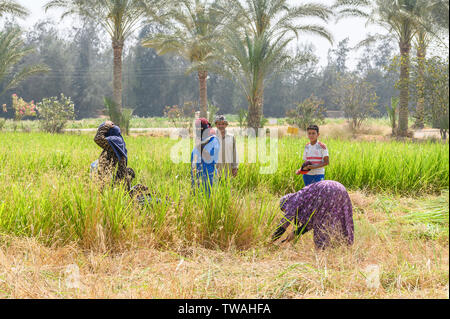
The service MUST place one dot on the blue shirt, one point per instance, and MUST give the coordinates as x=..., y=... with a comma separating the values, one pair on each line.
x=207, y=166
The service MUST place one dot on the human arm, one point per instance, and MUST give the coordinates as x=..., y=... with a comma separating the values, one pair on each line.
x=100, y=137
x=298, y=232
x=326, y=162
x=211, y=151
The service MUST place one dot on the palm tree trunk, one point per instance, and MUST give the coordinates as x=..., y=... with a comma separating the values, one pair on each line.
x=404, y=89
x=117, y=78
x=203, y=92
x=255, y=111
x=420, y=108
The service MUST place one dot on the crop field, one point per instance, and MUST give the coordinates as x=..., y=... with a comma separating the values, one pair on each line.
x=188, y=246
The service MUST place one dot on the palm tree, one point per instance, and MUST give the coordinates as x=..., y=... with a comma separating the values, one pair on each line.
x=195, y=26
x=12, y=51
x=426, y=32
x=256, y=45
x=12, y=7
x=119, y=19
x=399, y=18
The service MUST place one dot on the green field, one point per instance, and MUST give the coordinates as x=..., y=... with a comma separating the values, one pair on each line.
x=52, y=215
x=46, y=191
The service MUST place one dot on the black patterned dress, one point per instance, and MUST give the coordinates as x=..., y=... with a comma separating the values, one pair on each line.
x=108, y=162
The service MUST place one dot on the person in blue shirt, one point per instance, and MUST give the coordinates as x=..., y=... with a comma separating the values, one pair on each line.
x=204, y=156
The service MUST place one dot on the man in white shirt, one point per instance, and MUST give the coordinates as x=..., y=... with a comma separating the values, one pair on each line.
x=316, y=153
x=228, y=158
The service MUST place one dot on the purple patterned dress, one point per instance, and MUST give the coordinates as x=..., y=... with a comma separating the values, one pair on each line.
x=324, y=207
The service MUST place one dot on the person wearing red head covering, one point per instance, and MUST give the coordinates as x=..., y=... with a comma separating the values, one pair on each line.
x=204, y=156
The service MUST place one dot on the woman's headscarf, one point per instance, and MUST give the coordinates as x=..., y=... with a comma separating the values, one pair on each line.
x=117, y=143
x=203, y=128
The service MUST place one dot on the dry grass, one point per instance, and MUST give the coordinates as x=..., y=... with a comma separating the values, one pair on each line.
x=412, y=265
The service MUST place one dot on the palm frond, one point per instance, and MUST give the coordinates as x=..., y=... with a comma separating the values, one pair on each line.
x=13, y=8
x=12, y=51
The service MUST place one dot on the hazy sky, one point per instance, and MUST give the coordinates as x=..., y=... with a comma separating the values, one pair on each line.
x=354, y=29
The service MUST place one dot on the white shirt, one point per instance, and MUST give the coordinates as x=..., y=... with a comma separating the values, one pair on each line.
x=316, y=154
x=228, y=158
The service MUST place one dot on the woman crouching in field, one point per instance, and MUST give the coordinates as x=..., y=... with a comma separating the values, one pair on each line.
x=324, y=207
x=114, y=156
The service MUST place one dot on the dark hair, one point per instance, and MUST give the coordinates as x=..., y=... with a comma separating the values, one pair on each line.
x=313, y=128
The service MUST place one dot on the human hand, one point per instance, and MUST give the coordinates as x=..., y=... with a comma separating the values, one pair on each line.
x=289, y=238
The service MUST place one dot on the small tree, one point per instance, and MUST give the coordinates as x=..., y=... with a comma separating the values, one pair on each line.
x=309, y=111
x=437, y=94
x=392, y=112
x=243, y=115
x=53, y=114
x=181, y=116
x=355, y=97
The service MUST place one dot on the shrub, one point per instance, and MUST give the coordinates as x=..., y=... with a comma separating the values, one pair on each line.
x=243, y=115
x=212, y=112
x=393, y=113
x=125, y=120
x=22, y=108
x=306, y=113
x=181, y=116
x=122, y=119
x=54, y=113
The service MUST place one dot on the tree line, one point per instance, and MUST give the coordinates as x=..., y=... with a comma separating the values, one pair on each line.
x=233, y=54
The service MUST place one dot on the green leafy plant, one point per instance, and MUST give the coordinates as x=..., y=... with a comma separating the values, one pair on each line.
x=2, y=123
x=307, y=112
x=392, y=112
x=127, y=114
x=263, y=121
x=181, y=116
x=113, y=110
x=123, y=119
x=22, y=108
x=212, y=111
x=243, y=115
x=54, y=113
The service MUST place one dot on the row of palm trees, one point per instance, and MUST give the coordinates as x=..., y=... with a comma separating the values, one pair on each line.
x=248, y=40
x=409, y=22
x=245, y=40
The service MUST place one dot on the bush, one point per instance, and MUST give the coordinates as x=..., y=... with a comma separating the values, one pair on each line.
x=22, y=108
x=310, y=111
x=122, y=119
x=181, y=116
x=125, y=120
x=54, y=113
x=243, y=116
x=212, y=112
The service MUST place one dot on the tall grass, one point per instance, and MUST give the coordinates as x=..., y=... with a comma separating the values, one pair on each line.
x=393, y=167
x=45, y=190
